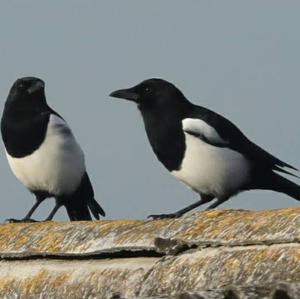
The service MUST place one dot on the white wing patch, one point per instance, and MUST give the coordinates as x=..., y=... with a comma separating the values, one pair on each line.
x=61, y=127
x=57, y=166
x=199, y=127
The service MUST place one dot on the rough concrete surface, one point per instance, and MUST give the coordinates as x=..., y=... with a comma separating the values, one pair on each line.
x=215, y=254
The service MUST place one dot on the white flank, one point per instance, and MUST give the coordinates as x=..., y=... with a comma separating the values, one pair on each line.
x=210, y=169
x=200, y=127
x=56, y=166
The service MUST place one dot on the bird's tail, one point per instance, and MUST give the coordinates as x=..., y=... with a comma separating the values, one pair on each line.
x=77, y=210
x=278, y=183
x=80, y=210
x=82, y=202
x=95, y=208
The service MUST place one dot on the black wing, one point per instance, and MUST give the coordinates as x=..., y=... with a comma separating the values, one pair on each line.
x=219, y=131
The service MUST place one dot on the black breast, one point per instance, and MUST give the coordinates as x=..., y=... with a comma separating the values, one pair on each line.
x=167, y=140
x=23, y=135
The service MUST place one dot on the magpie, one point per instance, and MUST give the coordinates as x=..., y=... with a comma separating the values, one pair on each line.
x=203, y=149
x=43, y=153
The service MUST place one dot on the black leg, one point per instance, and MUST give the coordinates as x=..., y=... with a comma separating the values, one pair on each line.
x=27, y=218
x=204, y=199
x=58, y=204
x=31, y=211
x=217, y=203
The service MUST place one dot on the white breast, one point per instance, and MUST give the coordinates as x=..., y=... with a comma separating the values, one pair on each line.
x=212, y=170
x=56, y=166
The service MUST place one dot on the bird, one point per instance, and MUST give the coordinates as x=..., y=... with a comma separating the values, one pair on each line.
x=43, y=153
x=203, y=149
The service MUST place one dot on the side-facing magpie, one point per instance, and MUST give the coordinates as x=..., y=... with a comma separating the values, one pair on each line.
x=43, y=153
x=203, y=149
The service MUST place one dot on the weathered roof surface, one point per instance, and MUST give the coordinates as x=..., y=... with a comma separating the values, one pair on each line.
x=216, y=254
x=213, y=228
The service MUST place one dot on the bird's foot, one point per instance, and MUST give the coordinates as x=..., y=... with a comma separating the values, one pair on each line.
x=24, y=220
x=165, y=216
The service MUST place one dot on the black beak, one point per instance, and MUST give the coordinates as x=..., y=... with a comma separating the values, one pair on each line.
x=127, y=94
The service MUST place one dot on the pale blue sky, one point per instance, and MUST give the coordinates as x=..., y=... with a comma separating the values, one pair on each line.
x=239, y=58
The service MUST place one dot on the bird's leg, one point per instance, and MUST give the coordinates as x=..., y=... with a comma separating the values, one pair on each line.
x=27, y=218
x=217, y=203
x=204, y=199
x=58, y=204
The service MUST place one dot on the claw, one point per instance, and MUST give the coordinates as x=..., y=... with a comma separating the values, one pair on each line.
x=24, y=220
x=165, y=216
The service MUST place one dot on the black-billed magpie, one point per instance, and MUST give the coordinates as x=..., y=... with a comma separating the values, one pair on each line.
x=203, y=149
x=43, y=153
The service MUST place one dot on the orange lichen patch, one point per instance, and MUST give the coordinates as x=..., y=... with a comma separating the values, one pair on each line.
x=29, y=284
x=32, y=284
x=21, y=240
x=54, y=243
x=6, y=285
x=244, y=226
x=231, y=264
x=295, y=254
x=214, y=213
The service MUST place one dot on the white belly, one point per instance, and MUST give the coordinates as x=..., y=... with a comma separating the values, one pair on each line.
x=212, y=170
x=56, y=166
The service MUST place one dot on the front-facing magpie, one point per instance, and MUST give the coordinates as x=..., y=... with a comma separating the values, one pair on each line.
x=43, y=153
x=203, y=149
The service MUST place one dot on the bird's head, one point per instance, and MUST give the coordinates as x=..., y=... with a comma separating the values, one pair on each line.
x=27, y=92
x=153, y=94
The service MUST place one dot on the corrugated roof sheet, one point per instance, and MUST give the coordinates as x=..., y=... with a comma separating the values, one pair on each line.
x=213, y=228
x=216, y=254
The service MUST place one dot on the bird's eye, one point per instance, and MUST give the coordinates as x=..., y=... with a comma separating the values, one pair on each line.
x=21, y=85
x=147, y=89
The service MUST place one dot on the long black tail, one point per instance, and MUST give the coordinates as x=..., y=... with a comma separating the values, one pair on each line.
x=95, y=208
x=77, y=210
x=82, y=202
x=286, y=186
x=278, y=183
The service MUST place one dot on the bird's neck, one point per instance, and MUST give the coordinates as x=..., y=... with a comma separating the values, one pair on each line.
x=20, y=112
x=18, y=126
x=166, y=138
